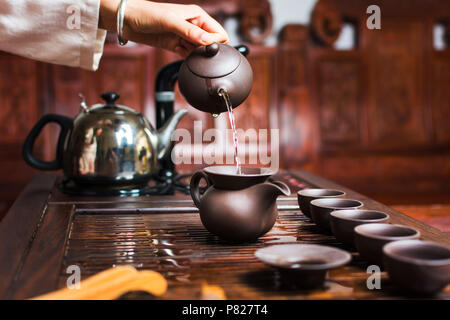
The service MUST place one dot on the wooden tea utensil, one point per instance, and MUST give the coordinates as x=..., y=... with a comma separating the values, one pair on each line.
x=111, y=284
x=212, y=292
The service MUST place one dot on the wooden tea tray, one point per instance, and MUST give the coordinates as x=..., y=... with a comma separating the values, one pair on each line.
x=46, y=231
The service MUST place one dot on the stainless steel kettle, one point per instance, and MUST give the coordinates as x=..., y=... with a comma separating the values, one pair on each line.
x=105, y=144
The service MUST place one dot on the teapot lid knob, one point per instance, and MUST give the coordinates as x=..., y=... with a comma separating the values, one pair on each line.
x=110, y=97
x=213, y=61
x=212, y=49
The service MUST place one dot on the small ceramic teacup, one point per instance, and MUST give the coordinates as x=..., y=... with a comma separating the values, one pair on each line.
x=321, y=209
x=343, y=222
x=371, y=237
x=418, y=266
x=305, y=197
x=303, y=265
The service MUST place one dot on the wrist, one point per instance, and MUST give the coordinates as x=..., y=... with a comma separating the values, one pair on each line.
x=108, y=14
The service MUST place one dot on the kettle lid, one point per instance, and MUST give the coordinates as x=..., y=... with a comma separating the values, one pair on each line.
x=111, y=106
x=213, y=61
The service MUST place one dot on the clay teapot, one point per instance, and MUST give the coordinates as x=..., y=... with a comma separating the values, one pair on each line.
x=237, y=207
x=210, y=69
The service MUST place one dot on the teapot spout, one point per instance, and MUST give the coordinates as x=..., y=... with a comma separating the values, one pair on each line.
x=165, y=142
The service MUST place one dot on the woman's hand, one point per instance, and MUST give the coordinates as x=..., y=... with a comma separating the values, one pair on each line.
x=174, y=27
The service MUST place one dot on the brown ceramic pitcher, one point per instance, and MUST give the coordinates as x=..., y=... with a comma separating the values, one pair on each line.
x=237, y=207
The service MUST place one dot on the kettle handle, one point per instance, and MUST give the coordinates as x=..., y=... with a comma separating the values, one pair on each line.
x=194, y=186
x=66, y=125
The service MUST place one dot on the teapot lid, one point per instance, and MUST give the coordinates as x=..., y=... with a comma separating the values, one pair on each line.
x=213, y=61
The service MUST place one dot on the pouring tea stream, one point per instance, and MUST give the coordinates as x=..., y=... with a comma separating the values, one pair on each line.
x=217, y=78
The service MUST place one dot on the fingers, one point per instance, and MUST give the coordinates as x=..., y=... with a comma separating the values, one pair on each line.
x=167, y=41
x=198, y=28
x=193, y=33
x=209, y=24
x=164, y=24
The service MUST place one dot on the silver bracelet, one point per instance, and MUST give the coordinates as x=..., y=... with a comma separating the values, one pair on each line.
x=120, y=16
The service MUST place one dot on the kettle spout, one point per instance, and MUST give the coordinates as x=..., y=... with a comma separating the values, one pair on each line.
x=165, y=142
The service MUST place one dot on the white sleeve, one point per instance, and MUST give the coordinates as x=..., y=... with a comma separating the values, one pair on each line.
x=57, y=31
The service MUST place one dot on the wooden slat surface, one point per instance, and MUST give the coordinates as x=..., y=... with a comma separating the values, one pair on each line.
x=187, y=255
x=42, y=264
x=19, y=226
x=165, y=234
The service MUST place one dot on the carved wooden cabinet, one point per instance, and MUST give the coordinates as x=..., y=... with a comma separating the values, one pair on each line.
x=371, y=117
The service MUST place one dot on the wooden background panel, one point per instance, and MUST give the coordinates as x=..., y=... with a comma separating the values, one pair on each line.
x=338, y=95
x=392, y=143
x=298, y=117
x=261, y=99
x=124, y=71
x=20, y=92
x=398, y=9
x=20, y=108
x=440, y=96
x=396, y=179
x=293, y=41
x=65, y=83
x=125, y=76
x=298, y=141
x=396, y=105
x=387, y=166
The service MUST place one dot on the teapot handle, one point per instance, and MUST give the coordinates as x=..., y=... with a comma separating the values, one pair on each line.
x=194, y=186
x=65, y=123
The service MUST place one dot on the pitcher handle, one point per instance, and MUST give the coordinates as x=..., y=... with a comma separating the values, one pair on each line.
x=194, y=186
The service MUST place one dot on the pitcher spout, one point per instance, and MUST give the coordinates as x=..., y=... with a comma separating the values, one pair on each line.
x=280, y=188
x=165, y=142
x=273, y=189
